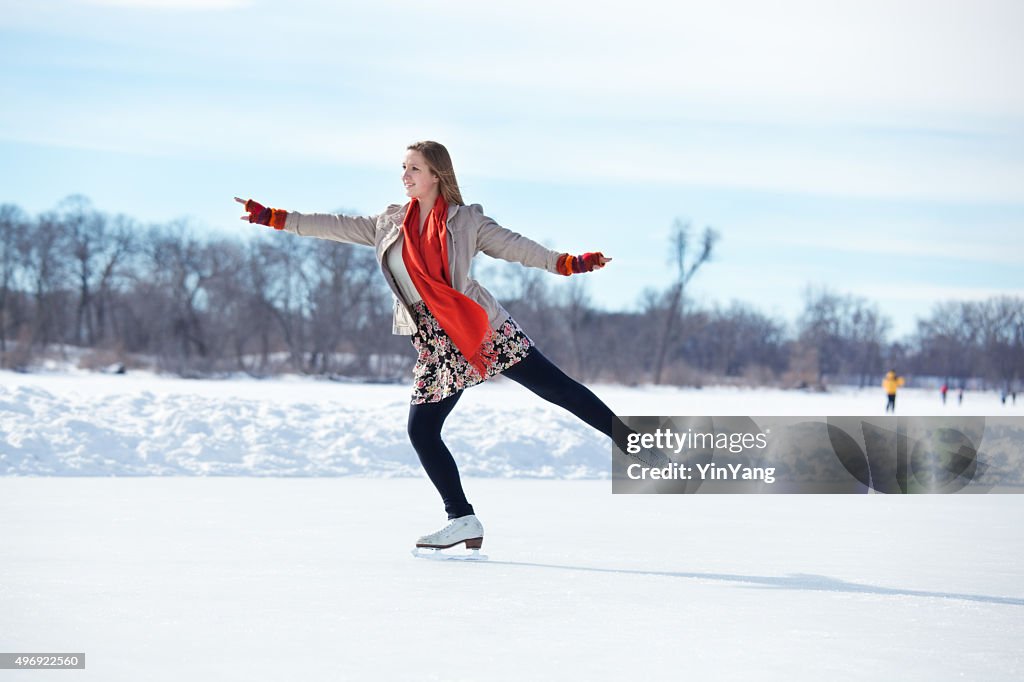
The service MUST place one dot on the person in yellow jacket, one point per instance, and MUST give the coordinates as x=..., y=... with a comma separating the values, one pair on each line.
x=890, y=383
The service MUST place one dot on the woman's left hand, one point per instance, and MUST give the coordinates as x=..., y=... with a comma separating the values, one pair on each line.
x=586, y=262
x=593, y=261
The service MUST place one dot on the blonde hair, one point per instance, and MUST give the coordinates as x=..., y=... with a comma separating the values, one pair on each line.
x=440, y=163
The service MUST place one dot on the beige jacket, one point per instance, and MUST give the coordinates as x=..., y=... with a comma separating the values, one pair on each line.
x=469, y=233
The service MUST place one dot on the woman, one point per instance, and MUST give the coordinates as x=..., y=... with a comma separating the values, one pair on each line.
x=462, y=335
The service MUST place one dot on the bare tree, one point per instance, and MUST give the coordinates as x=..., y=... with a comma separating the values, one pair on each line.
x=945, y=342
x=866, y=332
x=284, y=286
x=673, y=302
x=177, y=272
x=13, y=223
x=732, y=341
x=48, y=269
x=259, y=318
x=119, y=245
x=198, y=305
x=85, y=234
x=846, y=333
x=1000, y=322
x=345, y=278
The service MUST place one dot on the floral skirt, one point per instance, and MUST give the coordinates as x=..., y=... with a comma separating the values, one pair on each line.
x=442, y=371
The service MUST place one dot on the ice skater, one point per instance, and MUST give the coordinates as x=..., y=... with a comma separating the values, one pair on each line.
x=890, y=383
x=461, y=334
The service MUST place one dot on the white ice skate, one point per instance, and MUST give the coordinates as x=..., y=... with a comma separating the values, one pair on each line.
x=465, y=529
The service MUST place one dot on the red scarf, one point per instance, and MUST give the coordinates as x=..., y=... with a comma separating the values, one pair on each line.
x=426, y=258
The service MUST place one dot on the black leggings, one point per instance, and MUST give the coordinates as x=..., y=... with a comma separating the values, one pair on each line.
x=536, y=373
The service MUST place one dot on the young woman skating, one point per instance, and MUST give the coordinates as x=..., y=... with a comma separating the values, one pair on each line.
x=461, y=334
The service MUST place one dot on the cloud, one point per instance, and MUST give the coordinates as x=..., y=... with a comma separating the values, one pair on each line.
x=791, y=60
x=983, y=242
x=931, y=294
x=838, y=163
x=829, y=99
x=794, y=60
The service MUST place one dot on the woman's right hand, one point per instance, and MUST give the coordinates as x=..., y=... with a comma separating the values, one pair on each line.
x=258, y=213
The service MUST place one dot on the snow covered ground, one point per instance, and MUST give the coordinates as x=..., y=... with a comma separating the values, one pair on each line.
x=172, y=578
x=294, y=564
x=140, y=424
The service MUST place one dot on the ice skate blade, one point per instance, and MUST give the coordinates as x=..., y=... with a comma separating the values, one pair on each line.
x=439, y=555
x=471, y=543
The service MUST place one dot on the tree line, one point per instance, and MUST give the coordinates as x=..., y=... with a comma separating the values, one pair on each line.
x=197, y=305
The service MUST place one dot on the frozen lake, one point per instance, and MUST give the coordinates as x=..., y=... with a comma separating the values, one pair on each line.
x=260, y=530
x=171, y=578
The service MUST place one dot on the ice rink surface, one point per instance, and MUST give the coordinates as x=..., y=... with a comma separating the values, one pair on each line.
x=260, y=530
x=171, y=578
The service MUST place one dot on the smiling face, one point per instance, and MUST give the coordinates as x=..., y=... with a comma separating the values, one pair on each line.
x=420, y=182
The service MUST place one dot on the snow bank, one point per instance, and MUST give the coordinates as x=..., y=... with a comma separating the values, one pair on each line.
x=83, y=424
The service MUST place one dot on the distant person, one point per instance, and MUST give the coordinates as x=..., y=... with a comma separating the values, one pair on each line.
x=944, y=390
x=890, y=383
x=960, y=396
x=461, y=334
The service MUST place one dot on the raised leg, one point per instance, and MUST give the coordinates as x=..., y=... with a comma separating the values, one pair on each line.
x=541, y=376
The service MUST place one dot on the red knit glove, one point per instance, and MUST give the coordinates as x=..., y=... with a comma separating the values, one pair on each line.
x=573, y=265
x=262, y=215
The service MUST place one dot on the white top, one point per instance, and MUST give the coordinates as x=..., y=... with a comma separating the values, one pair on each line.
x=401, y=274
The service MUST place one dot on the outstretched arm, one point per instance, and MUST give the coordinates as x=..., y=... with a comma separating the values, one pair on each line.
x=499, y=242
x=341, y=228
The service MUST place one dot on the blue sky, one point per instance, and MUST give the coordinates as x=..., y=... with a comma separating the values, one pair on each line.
x=873, y=147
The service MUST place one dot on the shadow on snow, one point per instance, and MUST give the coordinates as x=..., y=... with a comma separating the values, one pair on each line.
x=794, y=581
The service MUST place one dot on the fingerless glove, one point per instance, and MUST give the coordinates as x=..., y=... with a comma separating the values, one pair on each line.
x=572, y=265
x=258, y=213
